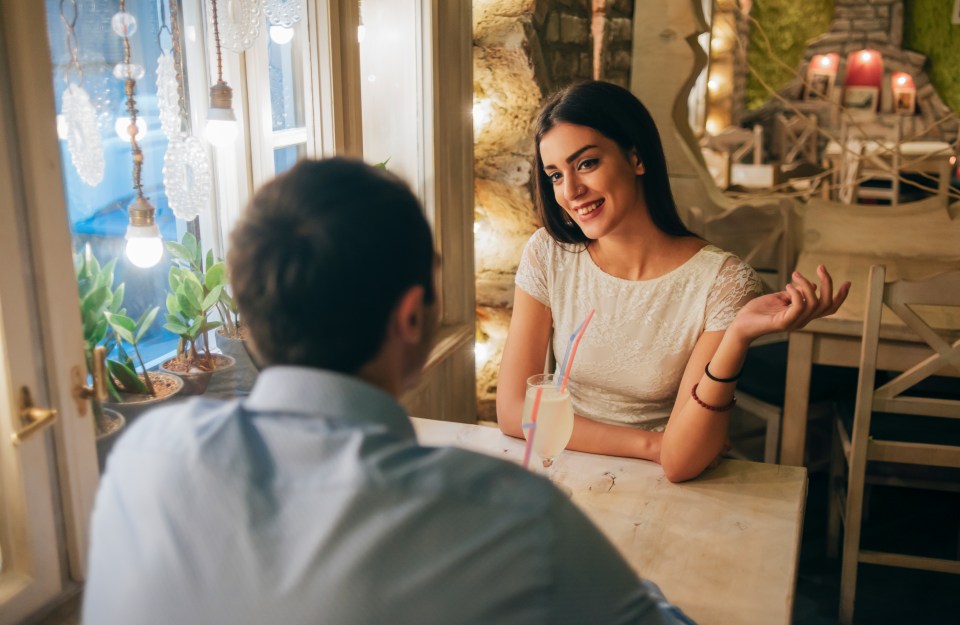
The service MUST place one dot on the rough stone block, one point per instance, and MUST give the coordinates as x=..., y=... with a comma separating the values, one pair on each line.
x=501, y=32
x=574, y=29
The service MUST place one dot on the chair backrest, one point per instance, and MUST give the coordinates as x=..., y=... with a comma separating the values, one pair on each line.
x=797, y=136
x=903, y=298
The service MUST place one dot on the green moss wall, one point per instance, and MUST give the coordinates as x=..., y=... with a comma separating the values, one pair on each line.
x=789, y=25
x=927, y=29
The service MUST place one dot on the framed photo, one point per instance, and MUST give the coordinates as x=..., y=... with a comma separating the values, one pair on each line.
x=861, y=101
x=904, y=102
x=819, y=86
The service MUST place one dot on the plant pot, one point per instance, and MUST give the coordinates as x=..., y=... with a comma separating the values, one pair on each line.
x=195, y=381
x=238, y=381
x=133, y=406
x=113, y=424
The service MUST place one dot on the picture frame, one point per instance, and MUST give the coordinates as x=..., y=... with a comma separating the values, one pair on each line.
x=904, y=102
x=860, y=101
x=819, y=86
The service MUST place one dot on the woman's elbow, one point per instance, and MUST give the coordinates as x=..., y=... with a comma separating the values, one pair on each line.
x=507, y=421
x=676, y=470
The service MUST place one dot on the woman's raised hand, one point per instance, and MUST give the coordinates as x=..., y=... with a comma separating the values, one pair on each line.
x=790, y=309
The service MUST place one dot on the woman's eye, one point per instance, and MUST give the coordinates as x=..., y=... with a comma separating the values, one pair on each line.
x=588, y=163
x=554, y=177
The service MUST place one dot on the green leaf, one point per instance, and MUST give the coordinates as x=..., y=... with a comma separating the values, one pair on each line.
x=126, y=378
x=213, y=325
x=175, y=327
x=94, y=302
x=228, y=301
x=146, y=320
x=117, y=301
x=173, y=307
x=383, y=164
x=195, y=328
x=216, y=275
x=121, y=322
x=210, y=260
x=193, y=290
x=178, y=251
x=190, y=243
x=211, y=298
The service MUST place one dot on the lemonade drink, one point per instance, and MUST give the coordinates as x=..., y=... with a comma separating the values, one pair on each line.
x=554, y=417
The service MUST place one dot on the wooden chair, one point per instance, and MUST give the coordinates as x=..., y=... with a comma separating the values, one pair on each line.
x=797, y=136
x=863, y=444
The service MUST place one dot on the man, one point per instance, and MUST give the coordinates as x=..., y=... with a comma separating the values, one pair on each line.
x=310, y=501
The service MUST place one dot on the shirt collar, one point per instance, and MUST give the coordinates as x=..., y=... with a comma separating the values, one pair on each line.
x=305, y=390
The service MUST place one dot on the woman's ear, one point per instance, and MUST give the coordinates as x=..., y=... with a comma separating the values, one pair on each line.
x=638, y=167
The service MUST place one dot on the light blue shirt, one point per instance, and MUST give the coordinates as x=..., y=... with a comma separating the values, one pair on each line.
x=311, y=502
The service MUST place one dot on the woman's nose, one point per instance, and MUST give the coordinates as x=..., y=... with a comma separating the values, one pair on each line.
x=572, y=189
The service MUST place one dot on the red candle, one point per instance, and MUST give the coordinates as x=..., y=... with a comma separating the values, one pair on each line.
x=864, y=69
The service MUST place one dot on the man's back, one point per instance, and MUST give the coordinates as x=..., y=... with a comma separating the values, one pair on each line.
x=312, y=503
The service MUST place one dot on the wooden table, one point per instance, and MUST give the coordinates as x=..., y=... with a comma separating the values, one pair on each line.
x=723, y=547
x=836, y=341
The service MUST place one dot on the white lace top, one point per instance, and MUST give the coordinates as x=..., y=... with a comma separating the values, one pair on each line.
x=630, y=360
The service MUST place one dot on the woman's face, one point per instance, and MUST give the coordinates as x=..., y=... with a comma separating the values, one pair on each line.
x=593, y=180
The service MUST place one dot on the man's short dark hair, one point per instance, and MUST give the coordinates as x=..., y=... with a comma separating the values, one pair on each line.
x=320, y=259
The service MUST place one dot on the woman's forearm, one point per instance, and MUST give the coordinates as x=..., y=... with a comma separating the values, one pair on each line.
x=589, y=435
x=696, y=435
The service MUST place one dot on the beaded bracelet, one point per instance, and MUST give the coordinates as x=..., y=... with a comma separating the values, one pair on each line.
x=706, y=369
x=725, y=408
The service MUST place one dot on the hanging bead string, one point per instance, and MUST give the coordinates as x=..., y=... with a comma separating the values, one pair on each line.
x=178, y=62
x=73, y=46
x=130, y=87
x=163, y=27
x=216, y=38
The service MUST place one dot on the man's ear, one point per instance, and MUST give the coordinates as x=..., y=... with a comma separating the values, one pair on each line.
x=409, y=316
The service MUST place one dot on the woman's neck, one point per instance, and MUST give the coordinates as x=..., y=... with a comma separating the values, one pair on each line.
x=642, y=252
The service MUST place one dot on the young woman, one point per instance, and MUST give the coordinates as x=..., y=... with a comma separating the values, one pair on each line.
x=655, y=374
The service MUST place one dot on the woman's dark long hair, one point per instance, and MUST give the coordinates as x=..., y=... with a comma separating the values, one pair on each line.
x=618, y=115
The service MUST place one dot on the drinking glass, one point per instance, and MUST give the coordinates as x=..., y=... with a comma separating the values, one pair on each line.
x=554, y=416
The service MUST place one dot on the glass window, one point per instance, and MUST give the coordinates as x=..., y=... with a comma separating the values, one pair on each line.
x=285, y=158
x=391, y=87
x=282, y=132
x=87, y=56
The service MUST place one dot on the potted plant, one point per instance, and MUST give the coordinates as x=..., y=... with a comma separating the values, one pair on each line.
x=230, y=337
x=194, y=292
x=99, y=302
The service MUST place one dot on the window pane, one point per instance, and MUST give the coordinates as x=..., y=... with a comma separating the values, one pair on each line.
x=286, y=84
x=391, y=86
x=98, y=213
x=285, y=158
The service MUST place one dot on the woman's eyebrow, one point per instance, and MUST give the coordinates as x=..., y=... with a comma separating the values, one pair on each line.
x=572, y=157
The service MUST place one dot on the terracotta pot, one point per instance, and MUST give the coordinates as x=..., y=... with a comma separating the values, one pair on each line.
x=196, y=382
x=238, y=381
x=114, y=424
x=133, y=406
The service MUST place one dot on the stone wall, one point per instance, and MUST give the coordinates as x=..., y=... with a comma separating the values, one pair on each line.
x=612, y=29
x=523, y=50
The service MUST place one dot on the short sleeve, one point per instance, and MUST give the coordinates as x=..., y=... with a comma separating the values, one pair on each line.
x=532, y=272
x=735, y=285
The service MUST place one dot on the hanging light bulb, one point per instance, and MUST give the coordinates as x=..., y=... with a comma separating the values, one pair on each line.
x=281, y=35
x=221, y=129
x=144, y=245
